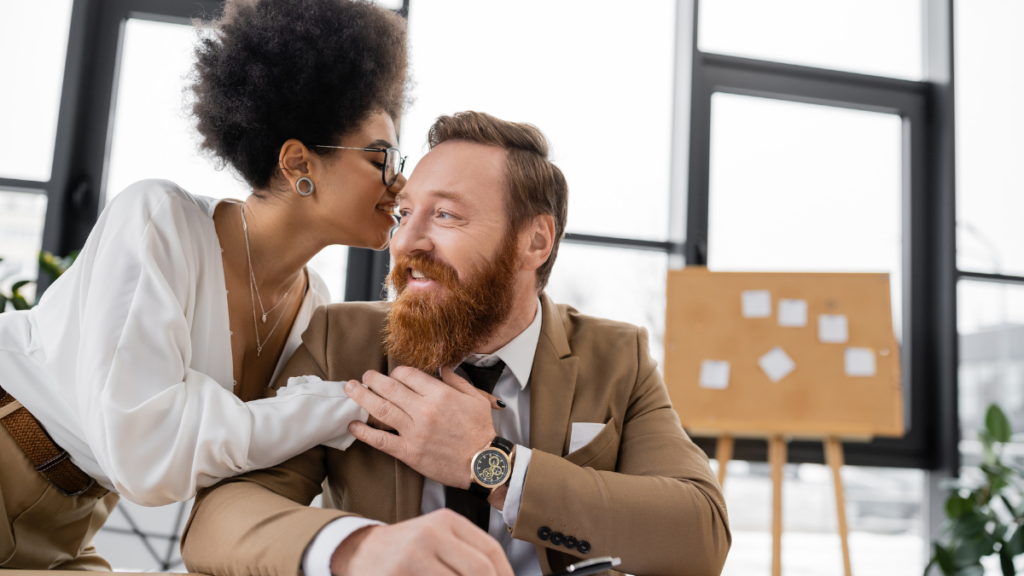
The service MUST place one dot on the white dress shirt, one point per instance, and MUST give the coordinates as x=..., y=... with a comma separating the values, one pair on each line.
x=126, y=362
x=513, y=423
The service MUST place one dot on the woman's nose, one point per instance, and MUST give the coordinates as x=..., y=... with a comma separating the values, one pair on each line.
x=399, y=184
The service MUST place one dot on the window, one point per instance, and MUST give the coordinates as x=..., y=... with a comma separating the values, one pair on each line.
x=883, y=511
x=990, y=185
x=34, y=42
x=990, y=208
x=880, y=37
x=798, y=187
x=21, y=238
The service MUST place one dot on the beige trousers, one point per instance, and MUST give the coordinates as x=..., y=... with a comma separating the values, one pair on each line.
x=43, y=529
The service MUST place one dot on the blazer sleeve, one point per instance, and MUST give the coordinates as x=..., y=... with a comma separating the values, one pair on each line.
x=261, y=522
x=661, y=510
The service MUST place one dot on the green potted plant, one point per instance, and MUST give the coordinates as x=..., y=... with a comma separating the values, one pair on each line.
x=52, y=265
x=987, y=517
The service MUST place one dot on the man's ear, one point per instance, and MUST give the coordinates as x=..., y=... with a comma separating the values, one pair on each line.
x=539, y=238
x=296, y=161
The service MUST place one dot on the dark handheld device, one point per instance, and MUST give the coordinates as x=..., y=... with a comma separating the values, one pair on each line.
x=590, y=566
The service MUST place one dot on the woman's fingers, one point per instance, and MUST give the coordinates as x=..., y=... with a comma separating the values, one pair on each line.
x=496, y=404
x=381, y=409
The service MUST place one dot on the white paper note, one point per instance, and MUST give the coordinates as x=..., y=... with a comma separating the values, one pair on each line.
x=757, y=304
x=714, y=374
x=776, y=364
x=792, y=313
x=860, y=362
x=832, y=329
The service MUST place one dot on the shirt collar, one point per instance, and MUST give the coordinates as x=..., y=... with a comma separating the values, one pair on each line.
x=517, y=354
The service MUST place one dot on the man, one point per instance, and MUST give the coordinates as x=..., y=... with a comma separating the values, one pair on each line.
x=584, y=457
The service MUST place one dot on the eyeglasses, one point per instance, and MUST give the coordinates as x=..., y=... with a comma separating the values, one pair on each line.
x=394, y=162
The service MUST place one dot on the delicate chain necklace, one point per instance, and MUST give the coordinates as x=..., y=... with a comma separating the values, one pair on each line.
x=254, y=294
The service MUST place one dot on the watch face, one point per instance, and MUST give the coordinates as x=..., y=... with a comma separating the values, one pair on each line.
x=491, y=467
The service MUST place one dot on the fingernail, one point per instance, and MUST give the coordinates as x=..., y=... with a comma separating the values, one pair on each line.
x=502, y=404
x=349, y=386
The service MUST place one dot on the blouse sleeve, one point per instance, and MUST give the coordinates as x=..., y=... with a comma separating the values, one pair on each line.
x=160, y=430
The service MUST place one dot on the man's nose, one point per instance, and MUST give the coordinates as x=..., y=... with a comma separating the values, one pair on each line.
x=412, y=236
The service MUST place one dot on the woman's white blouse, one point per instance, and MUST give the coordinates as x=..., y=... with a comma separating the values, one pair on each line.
x=127, y=359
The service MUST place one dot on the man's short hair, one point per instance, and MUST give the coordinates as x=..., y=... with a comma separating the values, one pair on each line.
x=534, y=185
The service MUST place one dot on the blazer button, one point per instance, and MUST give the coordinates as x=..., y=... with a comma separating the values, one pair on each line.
x=583, y=547
x=571, y=542
x=544, y=533
x=557, y=538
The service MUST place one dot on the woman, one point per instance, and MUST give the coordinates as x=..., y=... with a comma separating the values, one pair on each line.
x=124, y=379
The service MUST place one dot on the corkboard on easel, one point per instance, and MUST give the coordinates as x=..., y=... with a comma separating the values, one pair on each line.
x=831, y=390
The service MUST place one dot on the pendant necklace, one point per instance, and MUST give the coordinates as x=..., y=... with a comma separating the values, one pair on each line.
x=254, y=295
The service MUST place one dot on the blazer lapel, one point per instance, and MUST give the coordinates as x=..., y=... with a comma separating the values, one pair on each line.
x=408, y=483
x=552, y=384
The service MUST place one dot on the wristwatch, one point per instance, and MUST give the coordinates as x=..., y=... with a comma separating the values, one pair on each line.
x=491, y=467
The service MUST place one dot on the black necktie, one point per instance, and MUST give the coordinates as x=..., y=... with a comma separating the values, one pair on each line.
x=476, y=510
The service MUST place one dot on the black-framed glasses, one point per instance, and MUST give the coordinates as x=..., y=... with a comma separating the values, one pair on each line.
x=394, y=162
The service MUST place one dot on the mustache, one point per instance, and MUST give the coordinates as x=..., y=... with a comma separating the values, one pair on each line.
x=428, y=264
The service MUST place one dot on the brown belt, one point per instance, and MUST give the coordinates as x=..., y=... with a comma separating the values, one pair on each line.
x=50, y=460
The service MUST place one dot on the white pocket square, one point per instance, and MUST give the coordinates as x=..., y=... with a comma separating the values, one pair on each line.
x=583, y=433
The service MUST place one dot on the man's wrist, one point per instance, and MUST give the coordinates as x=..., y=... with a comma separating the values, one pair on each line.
x=343, y=554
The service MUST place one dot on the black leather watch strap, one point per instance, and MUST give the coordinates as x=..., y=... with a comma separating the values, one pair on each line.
x=503, y=444
x=479, y=491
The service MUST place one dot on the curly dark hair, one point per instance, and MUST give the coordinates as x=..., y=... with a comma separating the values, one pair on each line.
x=314, y=70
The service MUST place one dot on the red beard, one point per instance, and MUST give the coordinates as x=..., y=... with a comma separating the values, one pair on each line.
x=431, y=330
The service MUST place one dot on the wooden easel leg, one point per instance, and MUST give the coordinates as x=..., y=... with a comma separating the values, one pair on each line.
x=777, y=459
x=723, y=453
x=834, y=459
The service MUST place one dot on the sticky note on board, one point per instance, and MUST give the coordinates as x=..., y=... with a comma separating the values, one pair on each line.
x=776, y=364
x=757, y=304
x=792, y=313
x=714, y=374
x=833, y=328
x=859, y=362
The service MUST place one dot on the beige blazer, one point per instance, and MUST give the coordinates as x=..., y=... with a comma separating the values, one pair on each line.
x=640, y=490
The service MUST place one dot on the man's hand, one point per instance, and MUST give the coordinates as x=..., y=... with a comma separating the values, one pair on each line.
x=441, y=425
x=439, y=543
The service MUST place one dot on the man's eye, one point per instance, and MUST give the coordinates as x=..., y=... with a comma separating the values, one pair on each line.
x=444, y=215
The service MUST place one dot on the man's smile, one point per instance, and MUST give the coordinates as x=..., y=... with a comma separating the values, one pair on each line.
x=418, y=280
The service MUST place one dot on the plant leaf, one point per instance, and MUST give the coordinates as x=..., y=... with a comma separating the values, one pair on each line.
x=1015, y=545
x=970, y=525
x=957, y=506
x=17, y=285
x=3, y=303
x=972, y=570
x=944, y=559
x=20, y=303
x=1006, y=563
x=997, y=424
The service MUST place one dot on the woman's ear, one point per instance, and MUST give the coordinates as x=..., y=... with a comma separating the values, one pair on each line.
x=540, y=238
x=295, y=160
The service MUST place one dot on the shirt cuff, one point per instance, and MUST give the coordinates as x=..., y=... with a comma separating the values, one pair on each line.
x=515, y=488
x=316, y=561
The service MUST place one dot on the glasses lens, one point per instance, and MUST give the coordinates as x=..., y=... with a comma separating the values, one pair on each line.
x=391, y=168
